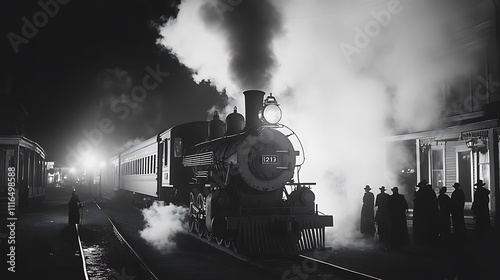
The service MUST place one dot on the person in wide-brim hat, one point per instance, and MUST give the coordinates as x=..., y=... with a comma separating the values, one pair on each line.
x=382, y=188
x=367, y=188
x=479, y=183
x=424, y=182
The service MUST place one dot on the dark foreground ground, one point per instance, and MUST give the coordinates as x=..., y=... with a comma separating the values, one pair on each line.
x=47, y=248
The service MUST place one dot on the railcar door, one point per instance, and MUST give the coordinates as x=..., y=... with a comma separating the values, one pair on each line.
x=166, y=163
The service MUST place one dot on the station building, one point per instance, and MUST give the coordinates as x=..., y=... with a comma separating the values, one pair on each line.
x=20, y=158
x=464, y=146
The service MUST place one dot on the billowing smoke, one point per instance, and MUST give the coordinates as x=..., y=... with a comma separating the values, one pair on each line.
x=346, y=73
x=163, y=223
x=248, y=31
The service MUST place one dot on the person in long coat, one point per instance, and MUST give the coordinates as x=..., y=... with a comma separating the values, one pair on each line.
x=457, y=204
x=382, y=215
x=398, y=230
x=444, y=212
x=425, y=215
x=480, y=207
x=367, y=226
x=74, y=206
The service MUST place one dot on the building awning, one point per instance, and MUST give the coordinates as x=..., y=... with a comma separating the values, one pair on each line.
x=448, y=133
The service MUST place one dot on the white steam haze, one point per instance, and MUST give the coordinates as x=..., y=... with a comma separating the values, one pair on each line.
x=340, y=106
x=163, y=223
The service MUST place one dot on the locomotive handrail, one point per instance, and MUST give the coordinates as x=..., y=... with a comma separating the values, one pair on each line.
x=298, y=184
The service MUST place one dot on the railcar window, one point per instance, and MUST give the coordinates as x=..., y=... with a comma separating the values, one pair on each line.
x=150, y=167
x=154, y=163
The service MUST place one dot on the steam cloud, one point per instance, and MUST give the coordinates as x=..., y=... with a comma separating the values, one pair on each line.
x=341, y=110
x=163, y=223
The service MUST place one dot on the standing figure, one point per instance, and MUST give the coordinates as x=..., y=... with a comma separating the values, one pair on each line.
x=382, y=215
x=398, y=230
x=425, y=215
x=444, y=212
x=367, y=226
x=74, y=206
x=480, y=206
x=457, y=210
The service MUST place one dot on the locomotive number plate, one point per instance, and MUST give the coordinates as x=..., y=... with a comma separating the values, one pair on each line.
x=269, y=159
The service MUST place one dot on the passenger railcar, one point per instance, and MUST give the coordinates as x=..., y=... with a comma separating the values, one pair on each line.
x=237, y=178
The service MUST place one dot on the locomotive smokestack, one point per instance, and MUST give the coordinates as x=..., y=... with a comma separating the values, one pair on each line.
x=253, y=104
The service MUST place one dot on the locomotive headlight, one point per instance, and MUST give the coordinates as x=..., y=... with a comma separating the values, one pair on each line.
x=271, y=112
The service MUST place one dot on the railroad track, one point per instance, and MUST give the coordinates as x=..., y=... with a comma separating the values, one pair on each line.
x=298, y=267
x=130, y=257
x=295, y=268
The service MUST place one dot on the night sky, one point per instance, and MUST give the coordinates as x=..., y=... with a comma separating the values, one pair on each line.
x=82, y=65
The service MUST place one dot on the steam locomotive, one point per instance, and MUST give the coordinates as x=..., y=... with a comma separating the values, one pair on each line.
x=237, y=178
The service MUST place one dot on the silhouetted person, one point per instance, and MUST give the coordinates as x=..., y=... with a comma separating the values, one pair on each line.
x=382, y=215
x=398, y=231
x=444, y=212
x=425, y=215
x=367, y=226
x=457, y=204
x=480, y=207
x=74, y=206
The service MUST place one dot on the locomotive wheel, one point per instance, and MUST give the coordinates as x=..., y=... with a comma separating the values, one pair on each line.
x=199, y=222
x=193, y=211
x=219, y=241
x=228, y=243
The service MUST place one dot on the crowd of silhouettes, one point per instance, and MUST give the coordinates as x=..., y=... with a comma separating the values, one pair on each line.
x=434, y=216
x=390, y=218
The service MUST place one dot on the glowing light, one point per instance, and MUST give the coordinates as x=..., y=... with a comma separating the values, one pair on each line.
x=272, y=114
x=102, y=164
x=88, y=162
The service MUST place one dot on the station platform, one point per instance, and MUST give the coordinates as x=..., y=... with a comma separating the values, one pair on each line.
x=47, y=248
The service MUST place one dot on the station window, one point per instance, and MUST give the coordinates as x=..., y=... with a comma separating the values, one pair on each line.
x=165, y=153
x=437, y=159
x=178, y=147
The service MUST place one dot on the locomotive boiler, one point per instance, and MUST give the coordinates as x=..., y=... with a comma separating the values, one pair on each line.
x=243, y=192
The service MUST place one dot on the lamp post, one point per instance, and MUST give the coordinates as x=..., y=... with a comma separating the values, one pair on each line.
x=101, y=166
x=472, y=144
